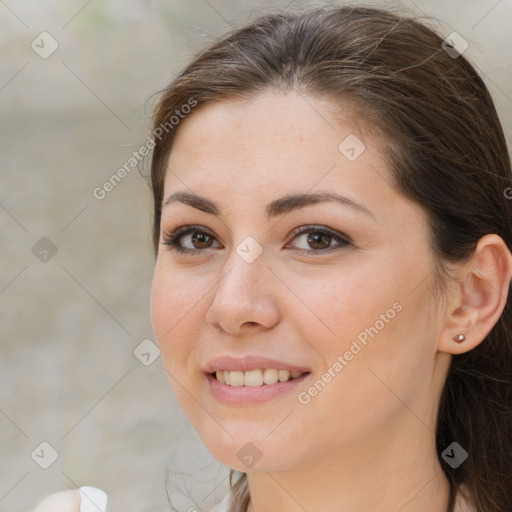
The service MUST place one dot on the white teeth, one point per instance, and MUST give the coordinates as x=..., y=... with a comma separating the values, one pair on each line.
x=270, y=376
x=284, y=375
x=255, y=378
x=236, y=378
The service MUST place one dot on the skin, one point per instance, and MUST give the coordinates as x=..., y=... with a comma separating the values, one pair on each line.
x=366, y=441
x=64, y=501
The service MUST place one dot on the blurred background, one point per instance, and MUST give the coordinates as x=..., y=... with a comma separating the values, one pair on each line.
x=84, y=399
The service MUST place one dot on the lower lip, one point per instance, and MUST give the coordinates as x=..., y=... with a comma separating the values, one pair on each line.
x=245, y=395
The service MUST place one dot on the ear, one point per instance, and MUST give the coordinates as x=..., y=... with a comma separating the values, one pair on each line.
x=480, y=296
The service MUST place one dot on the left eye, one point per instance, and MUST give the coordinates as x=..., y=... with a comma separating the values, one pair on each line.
x=318, y=238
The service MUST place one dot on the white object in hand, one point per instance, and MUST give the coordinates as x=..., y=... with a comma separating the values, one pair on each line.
x=92, y=499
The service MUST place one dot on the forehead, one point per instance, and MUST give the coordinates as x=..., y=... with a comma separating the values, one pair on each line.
x=273, y=139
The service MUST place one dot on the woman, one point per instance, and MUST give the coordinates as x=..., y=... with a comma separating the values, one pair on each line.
x=332, y=230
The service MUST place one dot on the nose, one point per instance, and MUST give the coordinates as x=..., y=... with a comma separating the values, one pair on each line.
x=245, y=298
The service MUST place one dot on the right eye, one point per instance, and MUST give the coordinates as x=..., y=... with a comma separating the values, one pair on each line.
x=199, y=237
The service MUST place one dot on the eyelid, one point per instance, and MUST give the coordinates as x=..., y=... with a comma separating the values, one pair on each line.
x=173, y=237
x=319, y=228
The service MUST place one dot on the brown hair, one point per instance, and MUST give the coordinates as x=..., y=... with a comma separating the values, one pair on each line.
x=446, y=151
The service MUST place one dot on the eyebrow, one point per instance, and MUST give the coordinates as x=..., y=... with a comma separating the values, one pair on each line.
x=275, y=208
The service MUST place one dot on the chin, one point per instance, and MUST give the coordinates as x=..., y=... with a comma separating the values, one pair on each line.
x=249, y=453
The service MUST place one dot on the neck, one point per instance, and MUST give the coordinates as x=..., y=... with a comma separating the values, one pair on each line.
x=395, y=474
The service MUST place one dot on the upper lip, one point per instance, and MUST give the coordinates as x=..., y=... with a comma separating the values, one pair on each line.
x=248, y=363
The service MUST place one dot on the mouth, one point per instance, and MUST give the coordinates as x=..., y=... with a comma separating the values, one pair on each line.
x=257, y=377
x=253, y=386
x=252, y=378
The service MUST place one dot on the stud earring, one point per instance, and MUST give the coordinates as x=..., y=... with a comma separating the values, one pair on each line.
x=460, y=338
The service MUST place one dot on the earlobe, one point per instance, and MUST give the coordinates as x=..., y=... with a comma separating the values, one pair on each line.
x=480, y=297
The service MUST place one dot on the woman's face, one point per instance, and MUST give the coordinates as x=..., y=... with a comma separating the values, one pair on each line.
x=347, y=300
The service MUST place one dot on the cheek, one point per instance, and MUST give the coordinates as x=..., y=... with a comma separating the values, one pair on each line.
x=336, y=306
x=176, y=315
x=176, y=310
x=372, y=320
x=397, y=354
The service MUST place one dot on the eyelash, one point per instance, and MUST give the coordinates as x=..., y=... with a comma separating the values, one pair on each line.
x=172, y=239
